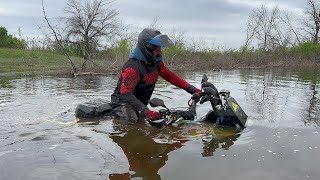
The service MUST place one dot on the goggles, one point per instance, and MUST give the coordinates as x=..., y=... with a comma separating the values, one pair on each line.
x=152, y=47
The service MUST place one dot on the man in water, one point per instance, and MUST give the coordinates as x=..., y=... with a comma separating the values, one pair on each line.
x=140, y=74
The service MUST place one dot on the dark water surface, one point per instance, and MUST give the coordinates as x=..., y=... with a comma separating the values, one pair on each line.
x=39, y=138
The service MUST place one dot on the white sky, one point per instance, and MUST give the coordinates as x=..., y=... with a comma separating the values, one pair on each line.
x=221, y=23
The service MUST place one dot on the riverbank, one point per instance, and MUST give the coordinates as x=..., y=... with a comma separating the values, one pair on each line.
x=44, y=62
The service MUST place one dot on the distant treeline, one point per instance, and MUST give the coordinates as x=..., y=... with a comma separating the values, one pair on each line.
x=8, y=41
x=181, y=57
x=91, y=37
x=178, y=57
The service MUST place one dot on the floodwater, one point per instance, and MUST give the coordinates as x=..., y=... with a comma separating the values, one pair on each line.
x=40, y=139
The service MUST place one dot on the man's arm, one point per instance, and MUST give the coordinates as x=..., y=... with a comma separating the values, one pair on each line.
x=130, y=78
x=174, y=79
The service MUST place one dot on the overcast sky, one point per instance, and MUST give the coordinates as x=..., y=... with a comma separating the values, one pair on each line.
x=221, y=23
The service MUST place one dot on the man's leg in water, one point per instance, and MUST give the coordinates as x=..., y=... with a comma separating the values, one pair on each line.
x=126, y=111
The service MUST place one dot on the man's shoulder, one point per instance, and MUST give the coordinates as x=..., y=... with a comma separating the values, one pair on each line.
x=162, y=65
x=133, y=63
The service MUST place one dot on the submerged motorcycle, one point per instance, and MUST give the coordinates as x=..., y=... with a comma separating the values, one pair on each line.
x=225, y=111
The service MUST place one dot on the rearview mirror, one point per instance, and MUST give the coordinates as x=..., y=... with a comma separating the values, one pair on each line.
x=204, y=79
x=155, y=102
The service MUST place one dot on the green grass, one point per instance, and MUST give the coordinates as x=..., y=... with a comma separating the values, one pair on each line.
x=18, y=60
x=177, y=58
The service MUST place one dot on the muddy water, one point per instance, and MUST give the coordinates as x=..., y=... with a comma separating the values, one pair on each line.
x=39, y=138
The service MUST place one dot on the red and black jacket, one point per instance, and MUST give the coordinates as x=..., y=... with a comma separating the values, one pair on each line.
x=137, y=82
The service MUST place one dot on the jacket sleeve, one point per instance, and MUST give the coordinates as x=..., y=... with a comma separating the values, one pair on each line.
x=174, y=79
x=130, y=78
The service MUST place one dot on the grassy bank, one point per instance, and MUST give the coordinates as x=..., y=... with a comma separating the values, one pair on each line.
x=31, y=62
x=17, y=60
x=302, y=56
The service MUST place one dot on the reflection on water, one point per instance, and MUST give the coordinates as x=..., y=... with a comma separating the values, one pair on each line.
x=147, y=149
x=145, y=155
x=281, y=139
x=313, y=109
x=223, y=139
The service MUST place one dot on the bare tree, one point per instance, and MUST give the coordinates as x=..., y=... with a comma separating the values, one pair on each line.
x=154, y=23
x=282, y=36
x=58, y=40
x=251, y=30
x=177, y=35
x=122, y=45
x=87, y=22
x=262, y=25
x=287, y=20
x=312, y=24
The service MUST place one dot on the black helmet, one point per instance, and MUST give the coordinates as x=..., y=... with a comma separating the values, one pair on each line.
x=149, y=40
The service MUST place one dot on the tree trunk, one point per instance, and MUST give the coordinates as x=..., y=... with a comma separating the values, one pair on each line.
x=316, y=37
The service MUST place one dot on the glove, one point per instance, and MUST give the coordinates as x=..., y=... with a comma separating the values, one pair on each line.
x=196, y=97
x=152, y=115
x=191, y=89
x=200, y=93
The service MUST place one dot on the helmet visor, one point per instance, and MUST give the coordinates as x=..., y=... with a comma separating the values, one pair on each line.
x=161, y=40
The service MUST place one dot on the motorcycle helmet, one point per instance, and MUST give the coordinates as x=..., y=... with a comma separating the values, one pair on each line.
x=149, y=40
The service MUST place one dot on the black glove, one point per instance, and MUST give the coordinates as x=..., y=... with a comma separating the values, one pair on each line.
x=191, y=89
x=196, y=97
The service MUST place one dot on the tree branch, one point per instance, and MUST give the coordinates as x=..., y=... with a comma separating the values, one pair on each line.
x=74, y=69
